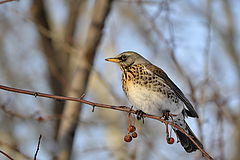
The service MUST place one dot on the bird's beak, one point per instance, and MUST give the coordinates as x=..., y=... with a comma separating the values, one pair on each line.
x=115, y=60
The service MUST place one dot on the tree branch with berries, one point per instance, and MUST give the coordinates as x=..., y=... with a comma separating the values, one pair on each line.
x=131, y=128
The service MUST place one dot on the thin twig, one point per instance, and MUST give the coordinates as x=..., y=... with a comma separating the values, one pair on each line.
x=38, y=147
x=15, y=149
x=119, y=108
x=5, y=1
x=6, y=155
x=150, y=2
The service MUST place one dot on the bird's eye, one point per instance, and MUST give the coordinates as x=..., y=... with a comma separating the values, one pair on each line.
x=123, y=57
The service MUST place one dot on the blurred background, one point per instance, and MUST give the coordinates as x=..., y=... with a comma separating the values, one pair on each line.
x=59, y=47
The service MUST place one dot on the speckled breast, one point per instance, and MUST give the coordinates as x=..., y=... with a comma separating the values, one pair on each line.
x=147, y=91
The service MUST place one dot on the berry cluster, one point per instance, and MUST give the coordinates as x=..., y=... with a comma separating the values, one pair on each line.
x=131, y=133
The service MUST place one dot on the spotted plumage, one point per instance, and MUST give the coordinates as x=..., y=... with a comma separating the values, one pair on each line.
x=149, y=89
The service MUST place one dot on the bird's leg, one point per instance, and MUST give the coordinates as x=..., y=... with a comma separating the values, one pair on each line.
x=167, y=132
x=131, y=108
x=166, y=114
x=130, y=111
x=139, y=114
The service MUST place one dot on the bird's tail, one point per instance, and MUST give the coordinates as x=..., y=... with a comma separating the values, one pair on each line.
x=187, y=144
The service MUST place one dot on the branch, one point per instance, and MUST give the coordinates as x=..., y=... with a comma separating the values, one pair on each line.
x=5, y=1
x=56, y=61
x=81, y=66
x=38, y=146
x=71, y=24
x=35, y=116
x=6, y=155
x=14, y=150
x=119, y=108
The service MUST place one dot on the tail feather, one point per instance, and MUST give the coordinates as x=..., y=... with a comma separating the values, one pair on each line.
x=187, y=144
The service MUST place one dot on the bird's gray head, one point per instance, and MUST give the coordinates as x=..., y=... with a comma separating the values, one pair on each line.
x=126, y=59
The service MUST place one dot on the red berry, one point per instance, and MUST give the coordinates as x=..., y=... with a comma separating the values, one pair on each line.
x=127, y=138
x=131, y=128
x=134, y=135
x=170, y=140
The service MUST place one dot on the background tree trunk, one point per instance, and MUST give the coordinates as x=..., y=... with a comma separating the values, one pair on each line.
x=82, y=67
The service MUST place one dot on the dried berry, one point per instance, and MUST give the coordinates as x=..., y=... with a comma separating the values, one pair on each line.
x=134, y=135
x=128, y=138
x=170, y=140
x=131, y=128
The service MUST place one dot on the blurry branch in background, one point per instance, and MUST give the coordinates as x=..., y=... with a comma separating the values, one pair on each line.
x=71, y=25
x=65, y=47
x=119, y=108
x=151, y=21
x=14, y=148
x=205, y=81
x=108, y=87
x=15, y=114
x=36, y=117
x=227, y=32
x=40, y=17
x=55, y=60
x=229, y=36
x=5, y=1
x=81, y=66
x=35, y=155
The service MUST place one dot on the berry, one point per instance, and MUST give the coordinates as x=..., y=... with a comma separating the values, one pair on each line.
x=128, y=138
x=131, y=128
x=170, y=140
x=134, y=135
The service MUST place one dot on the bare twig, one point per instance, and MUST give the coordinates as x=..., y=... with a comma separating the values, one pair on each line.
x=149, y=2
x=119, y=108
x=6, y=155
x=5, y=1
x=38, y=147
x=13, y=148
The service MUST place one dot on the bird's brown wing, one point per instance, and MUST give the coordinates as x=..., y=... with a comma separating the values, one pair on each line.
x=159, y=72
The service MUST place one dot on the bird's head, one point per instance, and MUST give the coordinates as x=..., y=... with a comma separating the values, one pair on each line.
x=127, y=59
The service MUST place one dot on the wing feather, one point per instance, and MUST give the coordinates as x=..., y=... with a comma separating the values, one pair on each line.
x=159, y=72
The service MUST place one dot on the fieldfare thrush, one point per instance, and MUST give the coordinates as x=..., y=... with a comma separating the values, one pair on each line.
x=151, y=91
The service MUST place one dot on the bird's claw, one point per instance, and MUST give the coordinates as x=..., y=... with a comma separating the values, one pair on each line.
x=140, y=114
x=166, y=115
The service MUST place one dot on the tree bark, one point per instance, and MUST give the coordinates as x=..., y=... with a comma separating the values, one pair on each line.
x=54, y=59
x=83, y=65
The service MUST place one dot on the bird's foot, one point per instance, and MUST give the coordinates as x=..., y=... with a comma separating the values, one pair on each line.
x=166, y=114
x=140, y=114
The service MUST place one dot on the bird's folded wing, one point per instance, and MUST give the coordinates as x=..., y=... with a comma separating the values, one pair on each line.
x=159, y=72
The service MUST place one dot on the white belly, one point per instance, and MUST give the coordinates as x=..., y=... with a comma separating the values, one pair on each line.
x=152, y=102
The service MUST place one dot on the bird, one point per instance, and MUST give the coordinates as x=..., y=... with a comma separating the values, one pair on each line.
x=151, y=91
